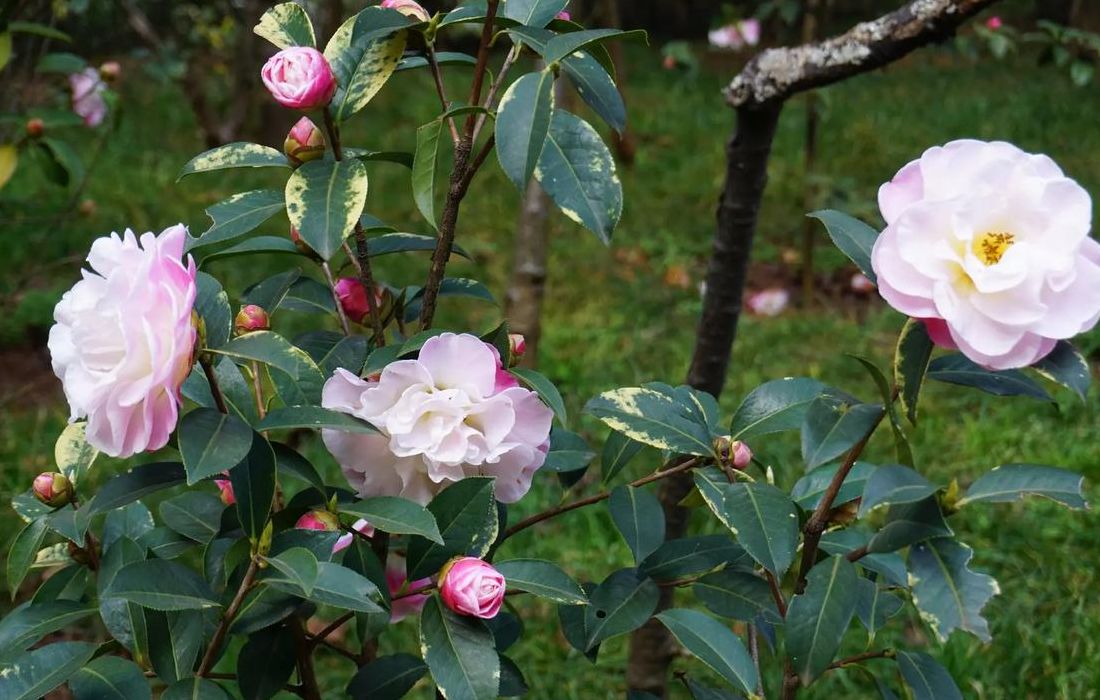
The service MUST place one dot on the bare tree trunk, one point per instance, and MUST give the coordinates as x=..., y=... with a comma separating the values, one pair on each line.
x=809, y=165
x=525, y=291
x=758, y=95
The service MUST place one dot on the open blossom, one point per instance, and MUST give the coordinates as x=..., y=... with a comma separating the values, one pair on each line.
x=88, y=102
x=123, y=340
x=990, y=245
x=769, y=302
x=409, y=8
x=470, y=586
x=399, y=585
x=299, y=77
x=442, y=417
x=736, y=36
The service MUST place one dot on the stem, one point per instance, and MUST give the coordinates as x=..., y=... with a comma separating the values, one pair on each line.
x=332, y=627
x=482, y=63
x=495, y=87
x=437, y=76
x=336, y=298
x=857, y=554
x=247, y=583
x=754, y=651
x=780, y=601
x=865, y=656
x=602, y=496
x=416, y=591
x=212, y=380
x=258, y=389
x=304, y=650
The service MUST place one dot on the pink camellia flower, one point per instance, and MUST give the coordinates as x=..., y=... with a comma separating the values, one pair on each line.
x=409, y=8
x=994, y=23
x=361, y=526
x=861, y=284
x=225, y=491
x=123, y=340
x=404, y=605
x=304, y=142
x=769, y=302
x=53, y=489
x=564, y=16
x=318, y=520
x=736, y=36
x=299, y=77
x=353, y=298
x=517, y=346
x=442, y=417
x=749, y=29
x=470, y=586
x=87, y=100
x=990, y=245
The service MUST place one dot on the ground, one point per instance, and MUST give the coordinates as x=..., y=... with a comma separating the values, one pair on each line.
x=627, y=315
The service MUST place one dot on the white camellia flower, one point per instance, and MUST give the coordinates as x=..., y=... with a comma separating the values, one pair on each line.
x=449, y=414
x=990, y=246
x=123, y=340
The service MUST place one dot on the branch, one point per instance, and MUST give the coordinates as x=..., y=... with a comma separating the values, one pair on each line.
x=865, y=656
x=212, y=380
x=437, y=76
x=231, y=612
x=776, y=74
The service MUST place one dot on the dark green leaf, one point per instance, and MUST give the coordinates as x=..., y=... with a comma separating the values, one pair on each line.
x=60, y=62
x=617, y=453
x=387, y=678
x=568, y=452
x=957, y=369
x=254, y=486
x=286, y=25
x=423, y=169
x=737, y=594
x=193, y=514
x=566, y=44
x=926, y=677
x=542, y=578
x=902, y=447
x=29, y=622
x=313, y=417
x=639, y=518
x=195, y=689
x=889, y=566
x=808, y=490
x=691, y=555
x=892, y=484
x=236, y=216
x=621, y=604
x=466, y=515
x=765, y=522
x=265, y=663
x=68, y=166
x=1012, y=482
x=269, y=293
x=875, y=606
x=832, y=427
x=533, y=13
x=254, y=246
x=523, y=122
x=110, y=678
x=271, y=349
x=908, y=524
x=596, y=88
x=397, y=516
x=211, y=442
x=948, y=594
x=175, y=642
x=324, y=199
x=164, y=543
x=135, y=484
x=290, y=462
x=714, y=644
x=460, y=653
x=235, y=155
x=37, y=672
x=294, y=568
x=22, y=552
x=854, y=238
x=911, y=359
x=1068, y=367
x=817, y=619
x=161, y=585
x=390, y=243
x=775, y=406
x=546, y=390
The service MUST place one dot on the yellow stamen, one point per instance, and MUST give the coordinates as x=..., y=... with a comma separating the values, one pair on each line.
x=990, y=247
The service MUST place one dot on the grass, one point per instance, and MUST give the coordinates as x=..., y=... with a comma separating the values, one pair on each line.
x=611, y=320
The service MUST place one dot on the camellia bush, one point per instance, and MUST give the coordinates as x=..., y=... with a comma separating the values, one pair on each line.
x=238, y=578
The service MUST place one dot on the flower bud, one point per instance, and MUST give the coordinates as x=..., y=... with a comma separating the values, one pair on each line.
x=862, y=284
x=732, y=453
x=564, y=16
x=353, y=299
x=88, y=208
x=304, y=142
x=35, y=127
x=299, y=77
x=469, y=586
x=225, y=487
x=53, y=489
x=301, y=245
x=517, y=348
x=994, y=23
x=251, y=318
x=409, y=8
x=318, y=520
x=110, y=71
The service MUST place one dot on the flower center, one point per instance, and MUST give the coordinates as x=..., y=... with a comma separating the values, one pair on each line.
x=990, y=247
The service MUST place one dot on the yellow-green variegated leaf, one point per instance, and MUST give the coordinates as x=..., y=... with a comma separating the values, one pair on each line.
x=9, y=158
x=324, y=199
x=652, y=418
x=523, y=120
x=363, y=54
x=72, y=452
x=286, y=24
x=235, y=155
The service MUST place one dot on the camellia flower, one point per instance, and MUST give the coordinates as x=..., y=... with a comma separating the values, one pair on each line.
x=353, y=298
x=361, y=526
x=442, y=417
x=123, y=340
x=470, y=586
x=409, y=8
x=990, y=245
x=88, y=102
x=318, y=520
x=994, y=23
x=736, y=36
x=769, y=302
x=299, y=77
x=399, y=585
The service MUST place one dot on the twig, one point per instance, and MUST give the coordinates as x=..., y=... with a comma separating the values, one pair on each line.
x=247, y=583
x=212, y=380
x=754, y=652
x=780, y=601
x=857, y=554
x=437, y=76
x=336, y=297
x=495, y=87
x=865, y=656
x=304, y=650
x=258, y=389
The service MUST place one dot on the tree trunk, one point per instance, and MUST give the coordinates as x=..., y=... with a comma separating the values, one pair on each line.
x=809, y=163
x=528, y=284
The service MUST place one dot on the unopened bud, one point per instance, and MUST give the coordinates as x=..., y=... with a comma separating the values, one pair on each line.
x=304, y=142
x=732, y=453
x=409, y=8
x=110, y=71
x=862, y=284
x=517, y=348
x=301, y=245
x=318, y=520
x=88, y=207
x=35, y=127
x=53, y=489
x=353, y=299
x=564, y=16
x=225, y=488
x=251, y=318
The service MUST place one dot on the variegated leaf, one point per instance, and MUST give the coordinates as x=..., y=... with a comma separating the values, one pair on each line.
x=235, y=155
x=363, y=53
x=285, y=25
x=324, y=199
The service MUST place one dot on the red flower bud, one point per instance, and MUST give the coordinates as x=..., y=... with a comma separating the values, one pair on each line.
x=53, y=489
x=318, y=520
x=35, y=127
x=304, y=142
x=353, y=299
x=225, y=486
x=251, y=318
x=733, y=453
x=517, y=347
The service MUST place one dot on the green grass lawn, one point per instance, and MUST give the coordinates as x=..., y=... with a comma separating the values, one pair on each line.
x=611, y=320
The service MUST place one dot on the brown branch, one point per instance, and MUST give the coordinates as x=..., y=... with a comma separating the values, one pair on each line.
x=777, y=593
x=336, y=297
x=857, y=554
x=304, y=652
x=437, y=77
x=865, y=656
x=212, y=380
x=247, y=583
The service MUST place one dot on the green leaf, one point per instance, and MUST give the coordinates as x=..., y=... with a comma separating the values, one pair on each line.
x=72, y=453
x=363, y=53
x=212, y=442
x=687, y=556
x=236, y=216
x=269, y=293
x=9, y=154
x=397, y=516
x=578, y=173
x=617, y=452
x=908, y=524
x=902, y=447
x=175, y=642
x=957, y=369
x=5, y=57
x=652, y=418
x=235, y=155
x=286, y=25
x=290, y=462
x=776, y=406
x=195, y=689
x=1011, y=482
x=307, y=295
x=543, y=579
x=254, y=246
x=765, y=523
x=110, y=678
x=125, y=621
x=253, y=482
x=136, y=484
x=854, y=238
x=38, y=29
x=212, y=306
x=523, y=122
x=22, y=551
x=621, y=604
x=67, y=164
x=466, y=515
x=696, y=690
x=459, y=652
x=1068, y=367
x=161, y=585
x=568, y=452
x=639, y=518
x=164, y=543
x=889, y=566
x=266, y=663
x=809, y=489
x=60, y=62
x=566, y=44
x=875, y=605
x=423, y=169
x=546, y=390
x=338, y=586
x=29, y=622
x=389, y=243
x=817, y=619
x=315, y=418
x=443, y=58
x=833, y=426
x=597, y=88
x=194, y=515
x=713, y=644
x=574, y=628
x=324, y=199
x=926, y=677
x=387, y=678
x=737, y=594
x=270, y=349
x=533, y=13
x=37, y=672
x=911, y=360
x=892, y=484
x=948, y=594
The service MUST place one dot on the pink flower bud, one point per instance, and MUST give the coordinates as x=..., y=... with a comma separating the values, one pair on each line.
x=669, y=63
x=353, y=299
x=318, y=520
x=110, y=71
x=299, y=77
x=35, y=127
x=304, y=142
x=741, y=455
x=862, y=284
x=362, y=527
x=470, y=586
x=409, y=8
x=53, y=489
x=564, y=16
x=225, y=487
x=994, y=23
x=517, y=347
x=251, y=318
